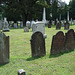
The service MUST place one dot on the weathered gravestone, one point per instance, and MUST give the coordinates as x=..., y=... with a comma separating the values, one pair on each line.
x=38, y=26
x=50, y=23
x=4, y=48
x=21, y=26
x=66, y=25
x=5, y=25
x=28, y=24
x=57, y=43
x=58, y=25
x=70, y=40
x=38, y=44
x=15, y=25
x=73, y=21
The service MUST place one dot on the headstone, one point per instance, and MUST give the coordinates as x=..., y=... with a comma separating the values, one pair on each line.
x=15, y=25
x=26, y=29
x=21, y=26
x=28, y=24
x=50, y=23
x=5, y=26
x=71, y=21
x=70, y=40
x=74, y=21
x=0, y=24
x=66, y=26
x=58, y=25
x=21, y=72
x=44, y=15
x=38, y=44
x=38, y=26
x=4, y=48
x=57, y=43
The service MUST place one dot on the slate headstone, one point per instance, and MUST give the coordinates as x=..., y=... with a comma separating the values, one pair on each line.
x=38, y=44
x=70, y=40
x=58, y=43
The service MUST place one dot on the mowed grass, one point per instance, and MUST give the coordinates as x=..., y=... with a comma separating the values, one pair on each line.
x=20, y=56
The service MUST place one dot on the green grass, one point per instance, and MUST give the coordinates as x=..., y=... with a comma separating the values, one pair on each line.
x=20, y=56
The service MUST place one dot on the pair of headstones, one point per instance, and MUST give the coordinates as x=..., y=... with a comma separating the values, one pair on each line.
x=4, y=48
x=18, y=24
x=62, y=43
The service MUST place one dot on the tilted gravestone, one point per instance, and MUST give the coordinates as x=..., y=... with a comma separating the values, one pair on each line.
x=66, y=25
x=70, y=40
x=38, y=44
x=58, y=25
x=4, y=48
x=5, y=25
x=49, y=24
x=28, y=24
x=57, y=43
x=63, y=43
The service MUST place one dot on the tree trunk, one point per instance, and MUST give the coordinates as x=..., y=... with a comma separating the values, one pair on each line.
x=24, y=18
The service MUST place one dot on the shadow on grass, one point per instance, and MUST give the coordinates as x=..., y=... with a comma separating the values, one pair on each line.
x=3, y=64
x=33, y=58
x=57, y=55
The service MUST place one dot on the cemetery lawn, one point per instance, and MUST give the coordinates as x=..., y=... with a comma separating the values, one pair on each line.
x=20, y=56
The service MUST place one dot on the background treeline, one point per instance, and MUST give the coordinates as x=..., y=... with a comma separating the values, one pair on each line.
x=33, y=9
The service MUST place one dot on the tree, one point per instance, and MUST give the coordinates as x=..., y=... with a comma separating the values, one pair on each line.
x=26, y=9
x=72, y=9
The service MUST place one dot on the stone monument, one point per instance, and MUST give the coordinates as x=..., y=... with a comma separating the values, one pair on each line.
x=5, y=25
x=44, y=15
